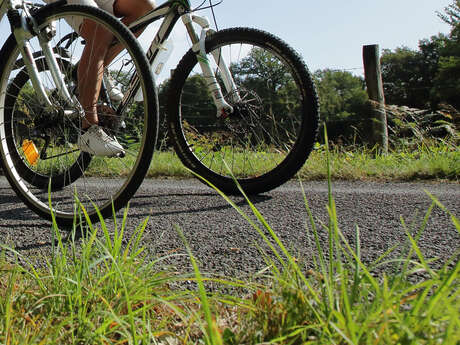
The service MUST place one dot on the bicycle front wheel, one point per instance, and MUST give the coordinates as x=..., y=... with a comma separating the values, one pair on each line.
x=38, y=148
x=271, y=131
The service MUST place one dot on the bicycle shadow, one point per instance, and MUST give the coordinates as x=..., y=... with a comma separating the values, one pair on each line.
x=174, y=200
x=140, y=206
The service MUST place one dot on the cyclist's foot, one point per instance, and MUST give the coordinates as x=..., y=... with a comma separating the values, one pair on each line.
x=98, y=143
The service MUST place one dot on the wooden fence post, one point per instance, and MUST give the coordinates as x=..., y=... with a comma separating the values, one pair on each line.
x=373, y=76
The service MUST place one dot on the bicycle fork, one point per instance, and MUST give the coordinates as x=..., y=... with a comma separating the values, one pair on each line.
x=25, y=27
x=224, y=109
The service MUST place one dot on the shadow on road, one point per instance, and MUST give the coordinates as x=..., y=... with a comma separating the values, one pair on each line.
x=174, y=203
x=26, y=231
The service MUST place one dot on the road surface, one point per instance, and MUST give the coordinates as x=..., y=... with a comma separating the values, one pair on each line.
x=225, y=243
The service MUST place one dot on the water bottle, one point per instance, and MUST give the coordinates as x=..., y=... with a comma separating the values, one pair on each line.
x=158, y=64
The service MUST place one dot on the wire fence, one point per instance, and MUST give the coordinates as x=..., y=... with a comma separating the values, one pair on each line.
x=399, y=86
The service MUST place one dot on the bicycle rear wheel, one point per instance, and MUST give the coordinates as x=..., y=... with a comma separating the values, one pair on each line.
x=60, y=171
x=64, y=166
x=274, y=125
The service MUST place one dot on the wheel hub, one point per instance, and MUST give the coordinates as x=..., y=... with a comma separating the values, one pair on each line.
x=247, y=111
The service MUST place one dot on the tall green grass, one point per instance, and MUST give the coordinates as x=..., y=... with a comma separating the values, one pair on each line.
x=425, y=161
x=342, y=300
x=103, y=289
x=99, y=290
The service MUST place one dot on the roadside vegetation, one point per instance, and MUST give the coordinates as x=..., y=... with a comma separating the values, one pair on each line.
x=103, y=289
x=435, y=161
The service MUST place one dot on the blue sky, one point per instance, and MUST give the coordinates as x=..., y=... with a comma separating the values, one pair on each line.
x=331, y=33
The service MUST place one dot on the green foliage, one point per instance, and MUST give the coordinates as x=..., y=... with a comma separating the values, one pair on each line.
x=408, y=75
x=447, y=83
x=263, y=74
x=196, y=92
x=343, y=104
x=342, y=95
x=405, y=162
x=451, y=15
x=427, y=76
x=93, y=292
x=263, y=71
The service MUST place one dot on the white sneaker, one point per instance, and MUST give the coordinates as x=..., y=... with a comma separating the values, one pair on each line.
x=98, y=143
x=114, y=92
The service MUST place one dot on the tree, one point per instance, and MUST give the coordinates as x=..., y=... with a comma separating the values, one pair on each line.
x=427, y=76
x=343, y=103
x=264, y=73
x=342, y=95
x=452, y=16
x=447, y=82
x=408, y=75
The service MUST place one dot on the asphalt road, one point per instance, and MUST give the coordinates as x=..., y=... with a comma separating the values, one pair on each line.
x=225, y=243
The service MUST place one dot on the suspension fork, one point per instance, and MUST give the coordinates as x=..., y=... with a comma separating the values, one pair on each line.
x=25, y=27
x=223, y=108
x=22, y=33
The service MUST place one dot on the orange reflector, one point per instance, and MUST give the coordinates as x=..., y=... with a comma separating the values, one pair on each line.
x=30, y=151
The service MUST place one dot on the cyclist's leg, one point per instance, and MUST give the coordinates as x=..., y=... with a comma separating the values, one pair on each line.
x=90, y=73
x=91, y=68
x=97, y=55
x=128, y=12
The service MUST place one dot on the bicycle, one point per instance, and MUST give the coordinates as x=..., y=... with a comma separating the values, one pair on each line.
x=225, y=119
x=241, y=124
x=222, y=118
x=40, y=116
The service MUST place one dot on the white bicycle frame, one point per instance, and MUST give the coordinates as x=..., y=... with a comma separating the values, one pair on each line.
x=172, y=11
x=24, y=27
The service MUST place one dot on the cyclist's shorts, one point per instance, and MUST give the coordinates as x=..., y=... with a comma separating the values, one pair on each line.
x=75, y=23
